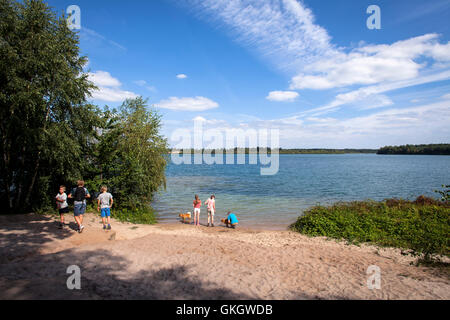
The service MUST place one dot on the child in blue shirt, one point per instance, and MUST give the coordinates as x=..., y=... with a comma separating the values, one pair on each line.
x=231, y=221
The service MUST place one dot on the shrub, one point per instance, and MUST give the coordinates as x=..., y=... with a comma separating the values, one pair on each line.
x=421, y=226
x=136, y=216
x=445, y=193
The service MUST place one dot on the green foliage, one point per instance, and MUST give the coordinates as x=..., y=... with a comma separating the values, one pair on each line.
x=423, y=149
x=445, y=193
x=130, y=157
x=136, y=216
x=50, y=135
x=422, y=226
x=45, y=123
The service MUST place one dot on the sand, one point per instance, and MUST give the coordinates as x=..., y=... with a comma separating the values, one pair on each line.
x=176, y=261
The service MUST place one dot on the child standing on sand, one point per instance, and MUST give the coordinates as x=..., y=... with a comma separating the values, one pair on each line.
x=211, y=202
x=105, y=202
x=80, y=194
x=197, y=205
x=62, y=205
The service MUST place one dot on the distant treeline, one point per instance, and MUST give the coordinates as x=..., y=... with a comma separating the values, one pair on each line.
x=281, y=151
x=422, y=149
x=326, y=151
x=431, y=149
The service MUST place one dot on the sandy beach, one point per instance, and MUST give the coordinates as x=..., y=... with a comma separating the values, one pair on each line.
x=176, y=261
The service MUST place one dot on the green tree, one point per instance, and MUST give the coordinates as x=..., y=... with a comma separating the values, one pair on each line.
x=132, y=155
x=429, y=149
x=46, y=125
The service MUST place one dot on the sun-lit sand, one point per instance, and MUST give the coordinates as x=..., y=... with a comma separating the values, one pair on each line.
x=176, y=261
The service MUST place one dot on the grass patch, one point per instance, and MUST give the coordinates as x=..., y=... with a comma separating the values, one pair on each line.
x=142, y=215
x=422, y=227
x=136, y=216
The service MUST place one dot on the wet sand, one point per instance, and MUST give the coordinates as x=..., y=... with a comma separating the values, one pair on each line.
x=177, y=261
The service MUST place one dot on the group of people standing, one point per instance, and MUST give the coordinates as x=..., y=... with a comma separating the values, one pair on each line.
x=80, y=194
x=230, y=221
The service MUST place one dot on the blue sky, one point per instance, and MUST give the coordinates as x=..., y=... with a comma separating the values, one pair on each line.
x=311, y=69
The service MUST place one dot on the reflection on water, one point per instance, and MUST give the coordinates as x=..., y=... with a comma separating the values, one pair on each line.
x=302, y=181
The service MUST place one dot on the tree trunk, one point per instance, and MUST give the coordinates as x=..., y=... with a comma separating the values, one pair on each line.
x=7, y=179
x=38, y=160
x=20, y=182
x=33, y=180
x=7, y=173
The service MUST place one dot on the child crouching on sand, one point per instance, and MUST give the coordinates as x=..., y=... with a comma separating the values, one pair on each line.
x=231, y=221
x=105, y=202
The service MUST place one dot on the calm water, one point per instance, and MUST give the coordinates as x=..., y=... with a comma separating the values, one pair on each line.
x=302, y=181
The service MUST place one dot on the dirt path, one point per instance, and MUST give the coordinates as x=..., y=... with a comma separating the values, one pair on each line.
x=185, y=262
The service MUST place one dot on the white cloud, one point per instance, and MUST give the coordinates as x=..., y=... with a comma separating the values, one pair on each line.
x=199, y=119
x=282, y=96
x=103, y=79
x=108, y=88
x=374, y=101
x=141, y=83
x=416, y=124
x=112, y=95
x=214, y=122
x=187, y=104
x=369, y=92
x=286, y=34
x=373, y=64
x=283, y=31
x=93, y=36
x=144, y=84
x=426, y=123
x=181, y=76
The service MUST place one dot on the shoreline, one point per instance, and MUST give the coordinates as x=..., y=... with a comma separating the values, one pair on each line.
x=243, y=226
x=176, y=261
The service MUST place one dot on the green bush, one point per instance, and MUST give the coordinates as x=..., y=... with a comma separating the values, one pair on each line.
x=445, y=193
x=421, y=226
x=136, y=216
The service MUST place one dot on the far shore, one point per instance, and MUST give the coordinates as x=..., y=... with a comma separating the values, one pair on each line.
x=178, y=261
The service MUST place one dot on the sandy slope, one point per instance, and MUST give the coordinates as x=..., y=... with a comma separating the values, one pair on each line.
x=185, y=262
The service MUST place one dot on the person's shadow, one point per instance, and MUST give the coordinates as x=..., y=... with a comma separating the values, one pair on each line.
x=23, y=235
x=73, y=226
x=102, y=278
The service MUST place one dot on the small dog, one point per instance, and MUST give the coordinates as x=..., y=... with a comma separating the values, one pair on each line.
x=186, y=217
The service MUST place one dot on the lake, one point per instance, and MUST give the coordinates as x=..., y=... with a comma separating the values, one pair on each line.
x=274, y=202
